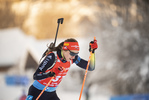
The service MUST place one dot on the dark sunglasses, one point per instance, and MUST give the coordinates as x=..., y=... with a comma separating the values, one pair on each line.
x=72, y=53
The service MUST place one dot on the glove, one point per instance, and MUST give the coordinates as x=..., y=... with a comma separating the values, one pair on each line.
x=51, y=74
x=93, y=46
x=57, y=70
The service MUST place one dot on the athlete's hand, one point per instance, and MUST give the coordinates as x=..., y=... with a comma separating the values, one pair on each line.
x=57, y=70
x=51, y=74
x=93, y=46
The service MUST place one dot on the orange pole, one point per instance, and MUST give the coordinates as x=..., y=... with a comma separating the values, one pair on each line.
x=44, y=88
x=86, y=73
x=47, y=85
x=85, y=76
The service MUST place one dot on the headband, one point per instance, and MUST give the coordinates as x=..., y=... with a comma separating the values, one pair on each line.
x=70, y=46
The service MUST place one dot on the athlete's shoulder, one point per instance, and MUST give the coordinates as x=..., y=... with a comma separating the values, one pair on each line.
x=51, y=55
x=47, y=62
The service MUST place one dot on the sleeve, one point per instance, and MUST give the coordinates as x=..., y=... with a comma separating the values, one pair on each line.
x=44, y=65
x=83, y=63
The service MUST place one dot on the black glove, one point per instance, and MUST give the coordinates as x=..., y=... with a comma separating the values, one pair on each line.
x=51, y=74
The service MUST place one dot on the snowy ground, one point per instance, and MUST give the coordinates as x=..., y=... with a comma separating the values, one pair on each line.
x=14, y=92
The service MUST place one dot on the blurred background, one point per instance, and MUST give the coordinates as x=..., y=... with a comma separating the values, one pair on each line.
x=122, y=59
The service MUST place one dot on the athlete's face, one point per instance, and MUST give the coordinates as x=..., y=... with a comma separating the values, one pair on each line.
x=70, y=54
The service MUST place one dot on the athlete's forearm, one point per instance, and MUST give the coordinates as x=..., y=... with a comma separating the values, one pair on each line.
x=38, y=75
x=83, y=63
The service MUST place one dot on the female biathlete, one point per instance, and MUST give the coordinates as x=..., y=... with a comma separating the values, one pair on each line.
x=56, y=64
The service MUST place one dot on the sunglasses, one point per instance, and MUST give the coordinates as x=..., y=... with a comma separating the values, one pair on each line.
x=72, y=53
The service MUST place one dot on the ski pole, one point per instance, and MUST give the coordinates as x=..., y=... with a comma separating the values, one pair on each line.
x=44, y=88
x=86, y=73
x=48, y=84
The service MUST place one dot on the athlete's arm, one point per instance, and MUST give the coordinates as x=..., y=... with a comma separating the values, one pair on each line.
x=44, y=65
x=83, y=63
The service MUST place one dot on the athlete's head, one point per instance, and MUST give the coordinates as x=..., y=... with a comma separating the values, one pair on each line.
x=70, y=49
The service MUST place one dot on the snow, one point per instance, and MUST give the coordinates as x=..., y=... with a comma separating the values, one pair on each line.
x=14, y=92
x=9, y=52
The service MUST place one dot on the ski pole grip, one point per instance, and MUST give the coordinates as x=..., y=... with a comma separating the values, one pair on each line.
x=94, y=38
